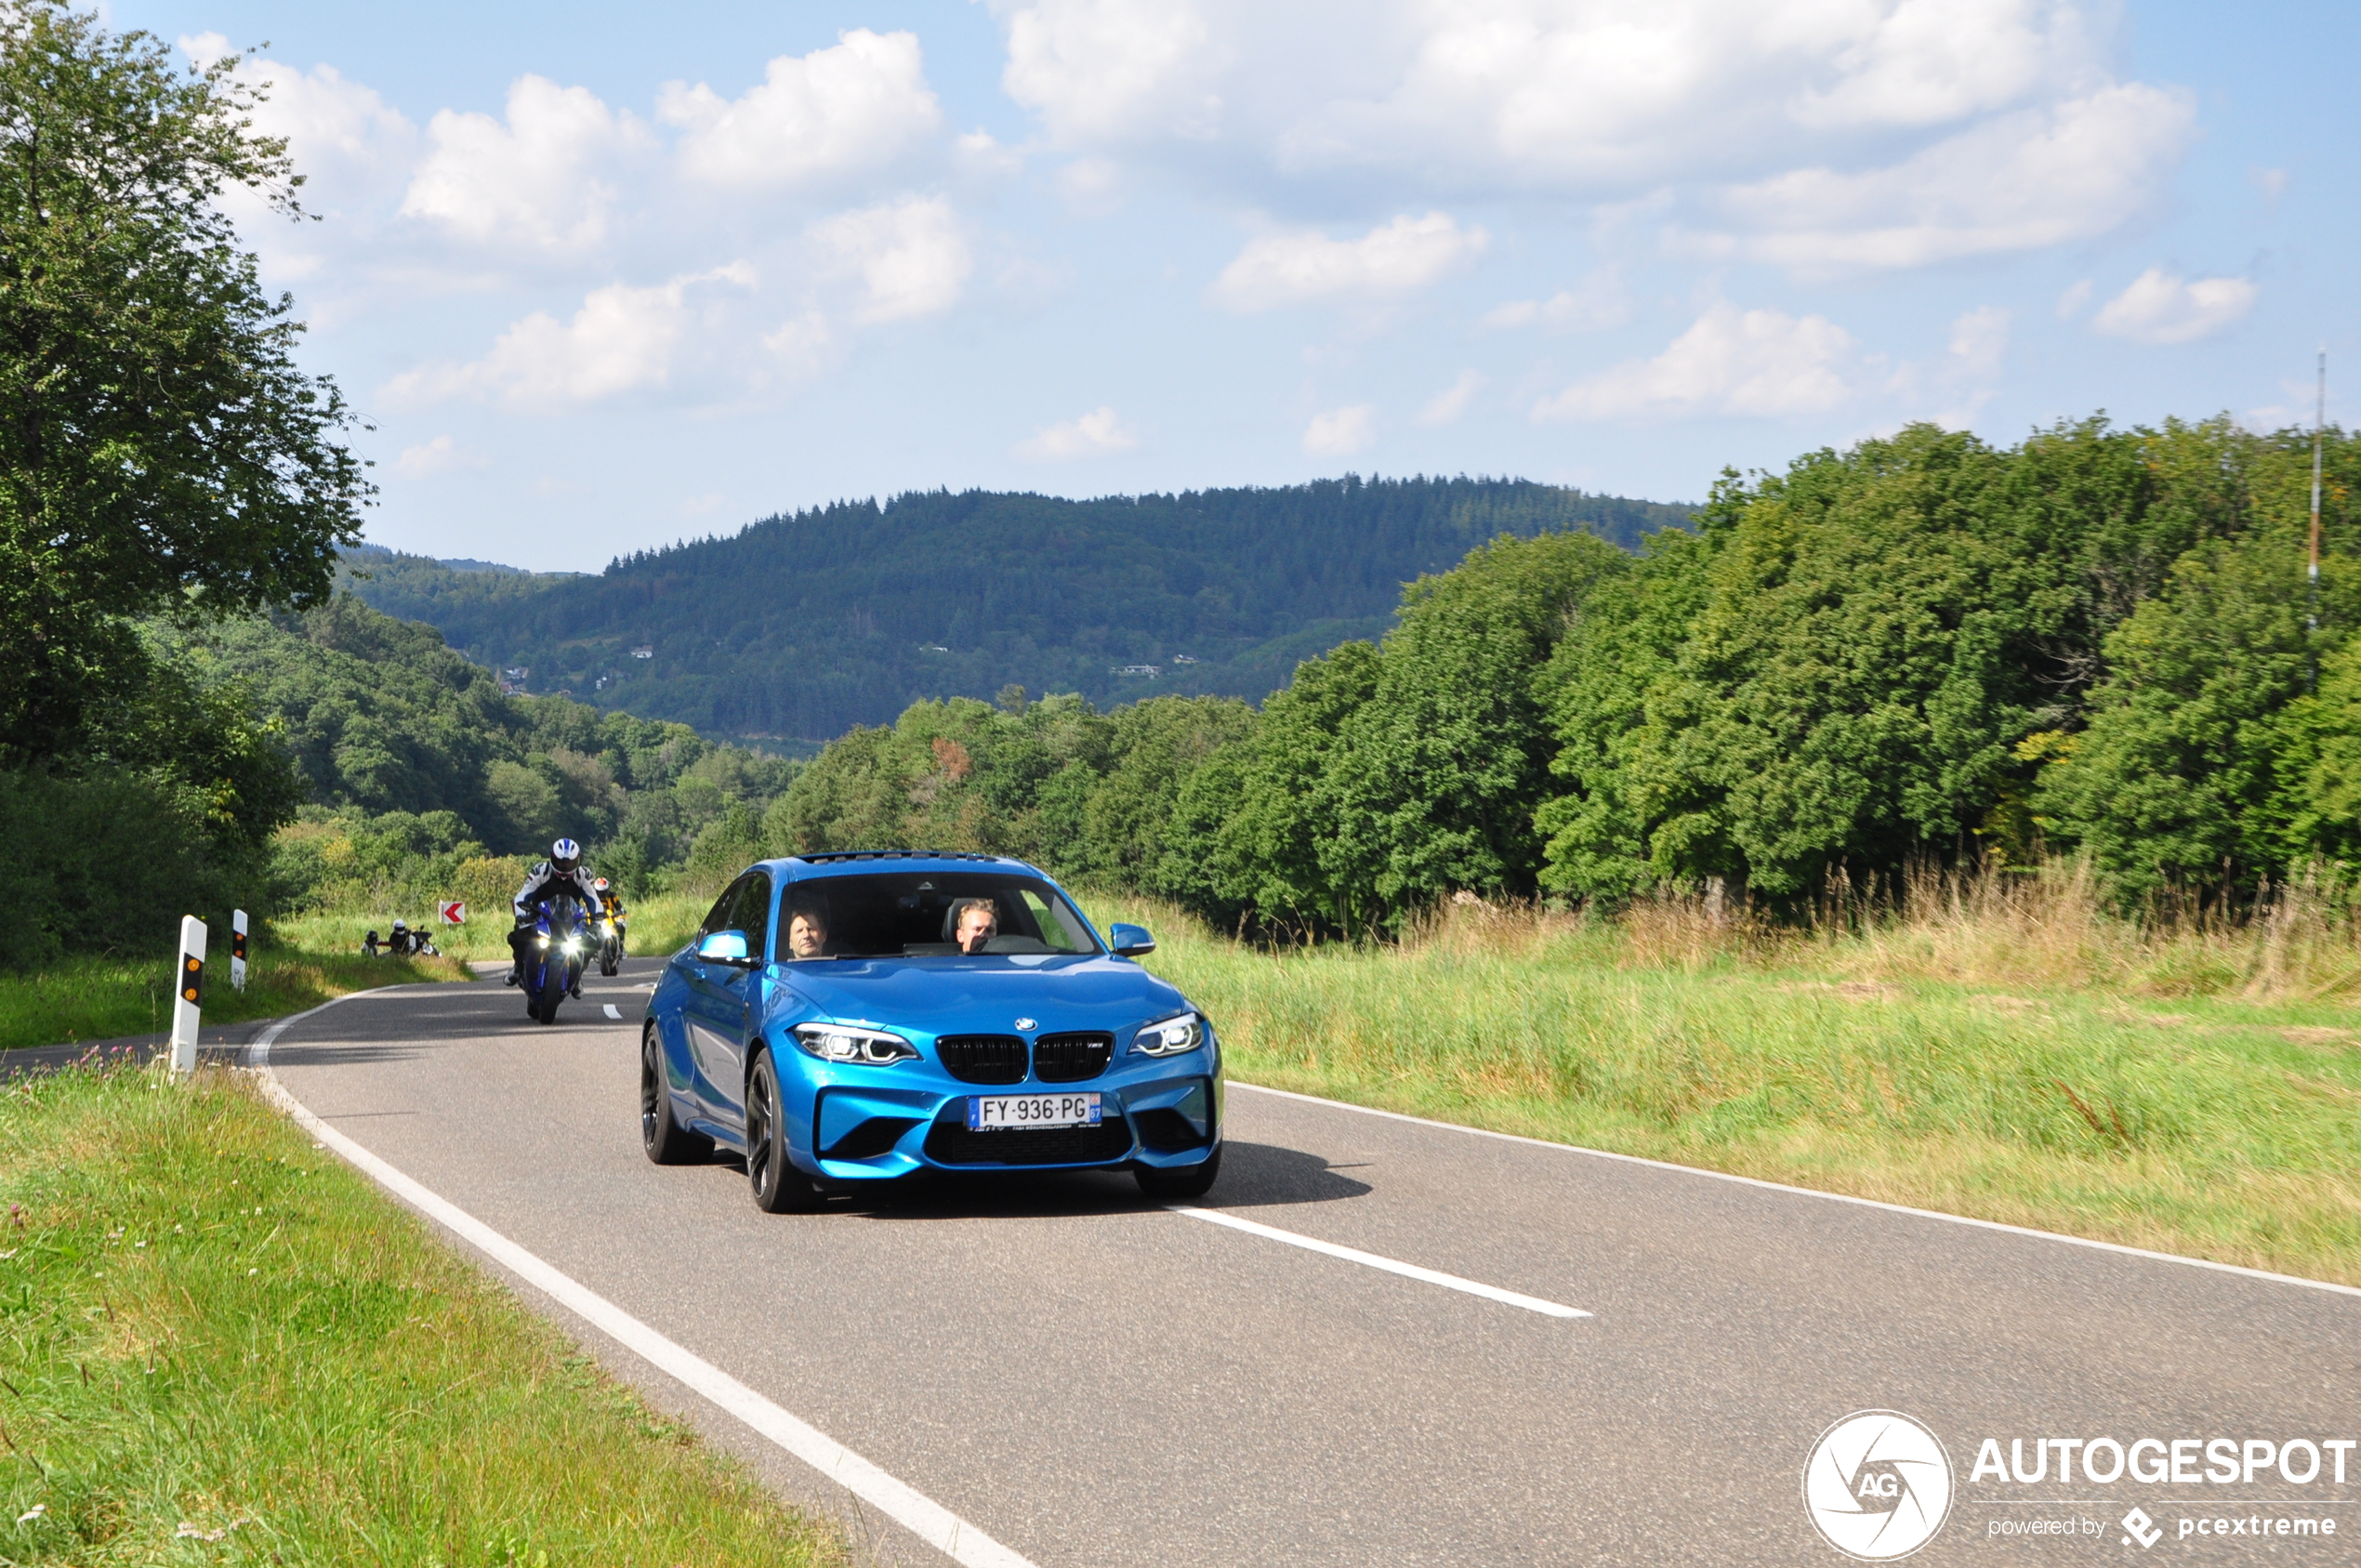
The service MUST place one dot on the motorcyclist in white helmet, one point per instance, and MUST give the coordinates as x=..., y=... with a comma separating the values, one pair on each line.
x=562, y=873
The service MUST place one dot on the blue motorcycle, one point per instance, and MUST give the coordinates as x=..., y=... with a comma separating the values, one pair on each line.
x=562, y=943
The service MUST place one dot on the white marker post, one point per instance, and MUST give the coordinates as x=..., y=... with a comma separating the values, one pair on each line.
x=237, y=950
x=188, y=999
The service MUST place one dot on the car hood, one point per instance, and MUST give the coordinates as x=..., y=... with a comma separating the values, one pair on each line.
x=982, y=995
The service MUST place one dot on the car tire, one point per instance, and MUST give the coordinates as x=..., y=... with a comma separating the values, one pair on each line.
x=779, y=1187
x=1189, y=1181
x=666, y=1141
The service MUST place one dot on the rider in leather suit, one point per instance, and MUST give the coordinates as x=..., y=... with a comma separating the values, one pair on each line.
x=562, y=873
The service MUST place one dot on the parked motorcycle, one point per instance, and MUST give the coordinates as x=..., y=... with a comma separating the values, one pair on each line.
x=561, y=943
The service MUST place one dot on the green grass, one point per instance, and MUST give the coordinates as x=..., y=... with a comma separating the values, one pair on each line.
x=2219, y=1127
x=222, y=1346
x=657, y=925
x=107, y=998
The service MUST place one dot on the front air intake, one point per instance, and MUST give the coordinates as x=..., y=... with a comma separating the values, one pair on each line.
x=1069, y=1059
x=982, y=1058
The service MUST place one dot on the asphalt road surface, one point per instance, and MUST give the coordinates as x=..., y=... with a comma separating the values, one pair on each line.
x=1095, y=1381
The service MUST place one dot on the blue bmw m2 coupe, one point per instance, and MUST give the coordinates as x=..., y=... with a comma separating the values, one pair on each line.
x=844, y=1019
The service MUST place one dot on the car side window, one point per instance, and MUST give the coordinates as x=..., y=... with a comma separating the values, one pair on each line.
x=753, y=912
x=717, y=918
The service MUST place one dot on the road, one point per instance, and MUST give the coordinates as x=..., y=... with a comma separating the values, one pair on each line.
x=1096, y=1381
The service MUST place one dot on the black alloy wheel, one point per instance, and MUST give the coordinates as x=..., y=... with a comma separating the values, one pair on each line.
x=666, y=1141
x=1189, y=1181
x=778, y=1188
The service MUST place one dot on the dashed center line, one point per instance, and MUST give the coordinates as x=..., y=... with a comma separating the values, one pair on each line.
x=614, y=1012
x=1389, y=1265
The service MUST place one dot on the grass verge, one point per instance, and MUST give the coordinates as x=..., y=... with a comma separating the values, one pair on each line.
x=656, y=925
x=2225, y=1126
x=107, y=998
x=224, y=1346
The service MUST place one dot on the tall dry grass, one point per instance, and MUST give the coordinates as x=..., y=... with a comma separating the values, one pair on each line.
x=2005, y=1047
x=2053, y=927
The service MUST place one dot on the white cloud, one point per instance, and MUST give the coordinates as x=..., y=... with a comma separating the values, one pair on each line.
x=1761, y=363
x=341, y=133
x=912, y=256
x=1340, y=433
x=1093, y=435
x=541, y=179
x=2162, y=307
x=1563, y=95
x=1446, y=406
x=2076, y=297
x=860, y=105
x=1840, y=133
x=1407, y=253
x=1097, y=70
x=622, y=339
x=2024, y=181
x=1979, y=341
x=1596, y=302
x=801, y=345
x=440, y=455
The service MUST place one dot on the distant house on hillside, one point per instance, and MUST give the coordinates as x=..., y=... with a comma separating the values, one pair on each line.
x=933, y=648
x=644, y=650
x=1182, y=659
x=1151, y=671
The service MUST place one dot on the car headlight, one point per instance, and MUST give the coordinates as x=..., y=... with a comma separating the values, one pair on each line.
x=1171, y=1037
x=835, y=1042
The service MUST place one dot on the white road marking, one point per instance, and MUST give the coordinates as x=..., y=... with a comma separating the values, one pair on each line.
x=1371, y=1260
x=923, y=1517
x=1809, y=1192
x=614, y=1012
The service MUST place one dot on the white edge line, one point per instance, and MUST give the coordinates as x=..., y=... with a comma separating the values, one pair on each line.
x=1392, y=1266
x=923, y=1517
x=1812, y=1192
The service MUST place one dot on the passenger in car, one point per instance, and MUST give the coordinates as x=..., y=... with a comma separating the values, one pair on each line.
x=807, y=934
x=974, y=923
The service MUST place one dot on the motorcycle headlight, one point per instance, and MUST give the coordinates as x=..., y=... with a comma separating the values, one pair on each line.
x=541, y=942
x=1171, y=1037
x=835, y=1042
x=573, y=945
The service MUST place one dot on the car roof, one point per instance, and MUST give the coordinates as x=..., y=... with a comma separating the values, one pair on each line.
x=840, y=863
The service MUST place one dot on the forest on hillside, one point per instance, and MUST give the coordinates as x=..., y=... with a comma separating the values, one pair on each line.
x=1927, y=649
x=803, y=625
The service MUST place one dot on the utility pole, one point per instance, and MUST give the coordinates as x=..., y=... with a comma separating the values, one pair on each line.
x=2312, y=609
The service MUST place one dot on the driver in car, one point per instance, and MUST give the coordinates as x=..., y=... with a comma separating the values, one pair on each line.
x=807, y=934
x=975, y=923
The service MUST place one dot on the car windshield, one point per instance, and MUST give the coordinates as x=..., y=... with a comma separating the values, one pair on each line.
x=910, y=914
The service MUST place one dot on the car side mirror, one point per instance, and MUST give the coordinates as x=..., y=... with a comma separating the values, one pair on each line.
x=723, y=947
x=1129, y=942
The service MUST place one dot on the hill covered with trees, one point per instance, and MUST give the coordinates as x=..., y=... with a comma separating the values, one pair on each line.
x=803, y=625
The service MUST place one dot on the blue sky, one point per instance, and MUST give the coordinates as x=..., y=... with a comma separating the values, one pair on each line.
x=603, y=277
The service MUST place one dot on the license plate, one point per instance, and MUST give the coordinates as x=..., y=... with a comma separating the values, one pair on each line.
x=994, y=1113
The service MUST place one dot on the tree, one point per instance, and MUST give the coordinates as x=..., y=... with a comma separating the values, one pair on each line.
x=1432, y=784
x=161, y=453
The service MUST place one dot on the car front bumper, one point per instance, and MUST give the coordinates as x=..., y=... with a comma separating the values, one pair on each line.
x=861, y=1125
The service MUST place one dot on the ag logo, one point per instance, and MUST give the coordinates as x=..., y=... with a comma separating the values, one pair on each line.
x=1877, y=1485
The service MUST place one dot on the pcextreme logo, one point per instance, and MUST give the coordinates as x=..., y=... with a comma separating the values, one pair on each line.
x=1877, y=1485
